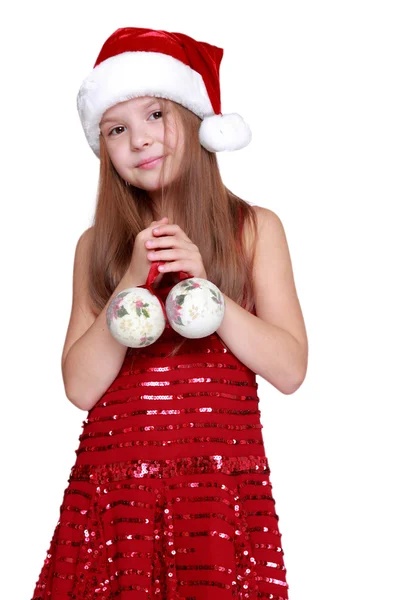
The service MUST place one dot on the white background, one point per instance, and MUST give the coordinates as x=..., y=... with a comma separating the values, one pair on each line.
x=318, y=82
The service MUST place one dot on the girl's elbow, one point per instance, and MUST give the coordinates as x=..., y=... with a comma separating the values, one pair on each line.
x=290, y=384
x=295, y=384
x=291, y=390
x=79, y=400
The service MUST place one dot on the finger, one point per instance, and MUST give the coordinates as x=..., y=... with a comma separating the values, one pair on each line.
x=171, y=241
x=178, y=265
x=171, y=229
x=172, y=257
x=160, y=222
x=166, y=254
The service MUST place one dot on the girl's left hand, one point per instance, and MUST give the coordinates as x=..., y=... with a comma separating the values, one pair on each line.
x=182, y=254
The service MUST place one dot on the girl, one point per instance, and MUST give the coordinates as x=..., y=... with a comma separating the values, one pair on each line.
x=170, y=495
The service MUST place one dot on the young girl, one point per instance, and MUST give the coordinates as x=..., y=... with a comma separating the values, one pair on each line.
x=170, y=495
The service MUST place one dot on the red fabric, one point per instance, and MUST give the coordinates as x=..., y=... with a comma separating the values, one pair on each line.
x=170, y=496
x=199, y=56
x=171, y=487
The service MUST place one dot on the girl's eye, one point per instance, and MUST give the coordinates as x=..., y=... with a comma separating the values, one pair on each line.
x=118, y=127
x=157, y=112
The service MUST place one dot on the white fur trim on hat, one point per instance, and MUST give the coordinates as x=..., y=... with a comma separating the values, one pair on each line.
x=224, y=132
x=133, y=74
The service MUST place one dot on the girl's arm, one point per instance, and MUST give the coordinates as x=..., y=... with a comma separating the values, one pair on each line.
x=274, y=343
x=91, y=357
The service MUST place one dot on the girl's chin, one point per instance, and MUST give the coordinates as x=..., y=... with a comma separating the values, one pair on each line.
x=152, y=188
x=155, y=186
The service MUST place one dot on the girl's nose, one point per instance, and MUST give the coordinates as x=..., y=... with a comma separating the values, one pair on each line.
x=140, y=137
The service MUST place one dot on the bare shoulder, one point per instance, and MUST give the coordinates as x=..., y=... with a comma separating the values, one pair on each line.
x=267, y=218
x=268, y=224
x=262, y=216
x=87, y=237
x=275, y=293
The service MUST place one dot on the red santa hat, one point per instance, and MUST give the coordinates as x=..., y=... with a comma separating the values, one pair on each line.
x=137, y=62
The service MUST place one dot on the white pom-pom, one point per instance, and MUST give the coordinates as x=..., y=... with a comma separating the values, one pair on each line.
x=135, y=317
x=195, y=307
x=224, y=132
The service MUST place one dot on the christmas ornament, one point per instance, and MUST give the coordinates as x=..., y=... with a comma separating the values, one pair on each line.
x=195, y=307
x=137, y=317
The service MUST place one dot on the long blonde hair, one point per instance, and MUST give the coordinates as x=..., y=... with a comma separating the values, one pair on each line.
x=209, y=214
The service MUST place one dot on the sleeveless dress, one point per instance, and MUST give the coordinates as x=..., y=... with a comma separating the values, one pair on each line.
x=170, y=495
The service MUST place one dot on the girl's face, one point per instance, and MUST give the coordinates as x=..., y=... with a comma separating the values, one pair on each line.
x=133, y=132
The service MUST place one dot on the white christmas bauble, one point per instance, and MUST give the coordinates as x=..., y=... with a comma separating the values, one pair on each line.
x=195, y=307
x=135, y=317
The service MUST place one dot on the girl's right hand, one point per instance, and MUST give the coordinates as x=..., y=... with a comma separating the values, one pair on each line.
x=140, y=265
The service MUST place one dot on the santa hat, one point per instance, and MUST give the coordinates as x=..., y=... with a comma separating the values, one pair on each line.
x=137, y=62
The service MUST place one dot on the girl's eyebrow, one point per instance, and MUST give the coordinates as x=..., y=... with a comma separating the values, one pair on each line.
x=145, y=106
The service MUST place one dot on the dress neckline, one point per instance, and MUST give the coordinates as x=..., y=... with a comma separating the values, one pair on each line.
x=165, y=287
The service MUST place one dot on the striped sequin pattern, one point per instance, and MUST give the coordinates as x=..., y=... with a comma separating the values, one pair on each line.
x=170, y=495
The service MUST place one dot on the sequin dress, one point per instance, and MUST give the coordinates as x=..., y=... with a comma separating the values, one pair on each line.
x=170, y=496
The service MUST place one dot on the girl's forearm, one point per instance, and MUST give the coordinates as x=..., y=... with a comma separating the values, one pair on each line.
x=95, y=359
x=267, y=350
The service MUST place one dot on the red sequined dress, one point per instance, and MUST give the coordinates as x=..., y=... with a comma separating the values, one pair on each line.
x=170, y=495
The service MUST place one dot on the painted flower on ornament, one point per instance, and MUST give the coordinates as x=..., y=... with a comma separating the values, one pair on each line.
x=145, y=340
x=216, y=297
x=126, y=325
x=191, y=285
x=115, y=309
x=147, y=327
x=175, y=309
x=141, y=308
x=194, y=312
